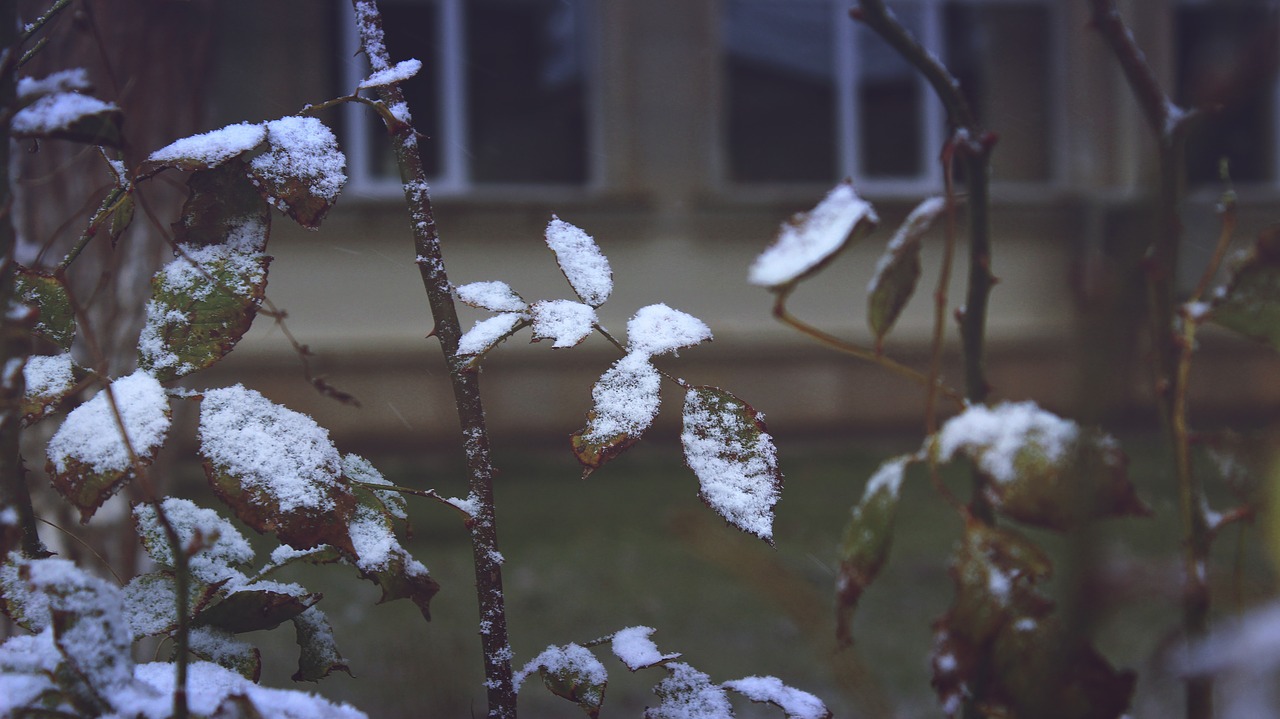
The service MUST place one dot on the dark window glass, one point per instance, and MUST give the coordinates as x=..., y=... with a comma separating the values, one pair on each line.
x=527, y=111
x=411, y=30
x=779, y=66
x=1227, y=64
x=890, y=109
x=1001, y=54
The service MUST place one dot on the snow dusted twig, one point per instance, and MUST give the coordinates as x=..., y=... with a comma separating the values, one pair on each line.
x=484, y=538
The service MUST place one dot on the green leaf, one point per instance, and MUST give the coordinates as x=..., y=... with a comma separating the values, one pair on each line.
x=202, y=303
x=251, y=610
x=626, y=401
x=1041, y=469
x=727, y=446
x=867, y=539
x=1250, y=304
x=302, y=171
x=899, y=269
x=224, y=649
x=70, y=116
x=571, y=672
x=810, y=240
x=220, y=204
x=319, y=655
x=48, y=294
x=121, y=218
x=687, y=693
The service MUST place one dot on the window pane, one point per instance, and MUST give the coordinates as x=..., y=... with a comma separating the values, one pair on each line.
x=1000, y=52
x=779, y=65
x=411, y=32
x=889, y=104
x=1227, y=59
x=527, y=91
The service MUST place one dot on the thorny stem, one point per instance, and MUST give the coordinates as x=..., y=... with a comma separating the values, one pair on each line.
x=466, y=390
x=1169, y=124
x=112, y=202
x=783, y=315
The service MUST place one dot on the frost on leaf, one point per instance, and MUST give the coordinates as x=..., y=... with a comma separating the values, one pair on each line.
x=626, y=401
x=727, y=446
x=48, y=380
x=378, y=555
x=488, y=333
x=1001, y=646
x=319, y=655
x=1042, y=470
x=217, y=552
x=150, y=602
x=206, y=150
x=584, y=266
x=89, y=459
x=492, y=295
x=275, y=468
x=571, y=672
x=770, y=690
x=69, y=116
x=565, y=322
x=303, y=171
x=867, y=539
x=56, y=323
x=899, y=268
x=689, y=694
x=658, y=329
x=810, y=240
x=203, y=302
x=1250, y=303
x=634, y=647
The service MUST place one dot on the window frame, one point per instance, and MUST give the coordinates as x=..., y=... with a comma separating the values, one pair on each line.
x=455, y=178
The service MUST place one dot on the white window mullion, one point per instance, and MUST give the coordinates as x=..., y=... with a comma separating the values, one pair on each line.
x=935, y=118
x=355, y=115
x=846, y=79
x=451, y=39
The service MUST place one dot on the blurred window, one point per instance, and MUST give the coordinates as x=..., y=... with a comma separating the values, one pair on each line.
x=1227, y=54
x=502, y=97
x=812, y=96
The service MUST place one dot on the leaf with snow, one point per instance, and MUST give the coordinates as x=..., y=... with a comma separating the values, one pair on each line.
x=150, y=602
x=89, y=459
x=1250, y=303
x=202, y=303
x=687, y=693
x=399, y=72
x=275, y=468
x=213, y=691
x=224, y=649
x=626, y=401
x=319, y=656
x=658, y=329
x=565, y=322
x=359, y=469
x=867, y=539
x=303, y=171
x=727, y=446
x=634, y=647
x=258, y=606
x=69, y=116
x=48, y=294
x=571, y=672
x=222, y=204
x=770, y=690
x=1041, y=469
x=380, y=558
x=489, y=333
x=217, y=552
x=48, y=380
x=206, y=150
x=492, y=295
x=898, y=269
x=581, y=261
x=808, y=241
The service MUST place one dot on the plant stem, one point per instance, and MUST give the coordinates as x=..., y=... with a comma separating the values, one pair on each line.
x=1169, y=124
x=466, y=388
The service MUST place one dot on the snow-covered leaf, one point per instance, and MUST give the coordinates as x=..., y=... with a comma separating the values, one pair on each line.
x=359, y=469
x=69, y=116
x=565, y=322
x=214, y=691
x=581, y=261
x=48, y=294
x=727, y=446
x=867, y=539
x=658, y=329
x=1250, y=303
x=634, y=647
x=493, y=295
x=206, y=150
x=399, y=72
x=319, y=656
x=626, y=401
x=89, y=459
x=224, y=649
x=303, y=171
x=770, y=690
x=216, y=549
x=378, y=555
x=221, y=204
x=275, y=468
x=810, y=240
x=488, y=333
x=899, y=268
x=571, y=672
x=1041, y=469
x=150, y=602
x=202, y=303
x=687, y=693
x=48, y=380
